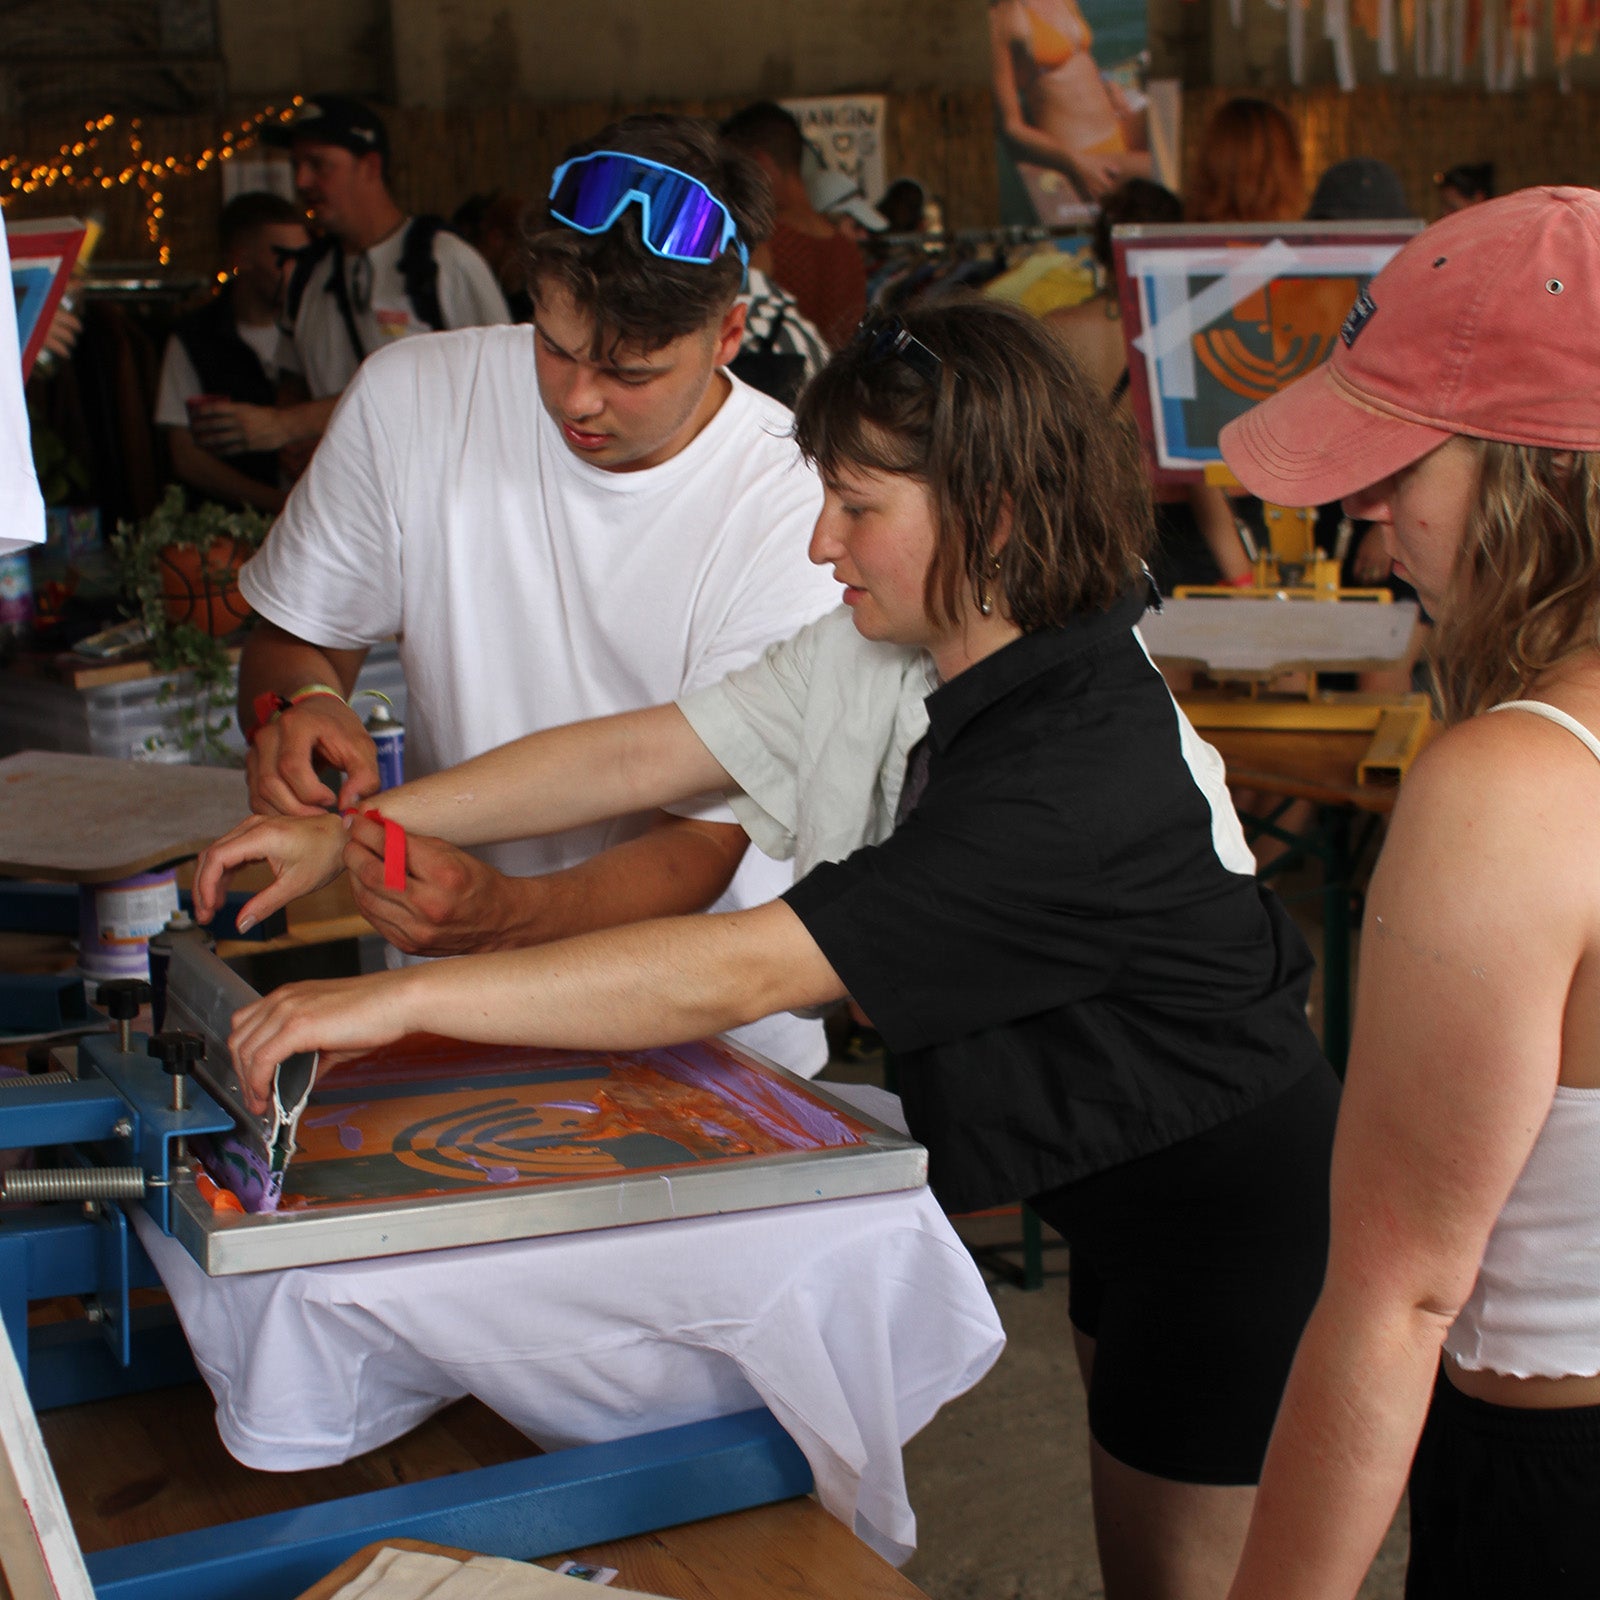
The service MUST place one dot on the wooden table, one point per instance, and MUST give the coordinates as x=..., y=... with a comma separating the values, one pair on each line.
x=1319, y=767
x=785, y=1551
x=147, y=1465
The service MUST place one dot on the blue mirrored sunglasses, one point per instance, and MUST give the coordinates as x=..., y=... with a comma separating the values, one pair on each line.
x=681, y=220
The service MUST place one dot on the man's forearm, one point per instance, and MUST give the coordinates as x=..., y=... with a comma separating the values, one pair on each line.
x=679, y=867
x=211, y=475
x=277, y=661
x=307, y=419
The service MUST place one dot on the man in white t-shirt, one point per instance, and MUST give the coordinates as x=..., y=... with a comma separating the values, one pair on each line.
x=373, y=276
x=228, y=350
x=556, y=522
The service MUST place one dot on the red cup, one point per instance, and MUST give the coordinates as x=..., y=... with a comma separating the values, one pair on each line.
x=199, y=404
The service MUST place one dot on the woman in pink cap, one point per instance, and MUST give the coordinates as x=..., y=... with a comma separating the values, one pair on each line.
x=1462, y=411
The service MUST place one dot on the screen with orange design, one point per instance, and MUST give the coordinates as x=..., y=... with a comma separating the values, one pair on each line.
x=433, y=1116
x=1218, y=317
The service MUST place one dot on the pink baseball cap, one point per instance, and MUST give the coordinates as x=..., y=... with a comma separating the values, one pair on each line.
x=1487, y=324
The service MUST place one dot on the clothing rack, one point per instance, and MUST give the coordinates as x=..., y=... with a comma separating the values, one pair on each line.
x=1015, y=233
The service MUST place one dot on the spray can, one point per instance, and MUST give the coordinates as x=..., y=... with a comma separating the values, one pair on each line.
x=389, y=736
x=180, y=926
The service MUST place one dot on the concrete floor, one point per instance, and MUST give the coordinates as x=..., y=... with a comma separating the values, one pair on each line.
x=1000, y=1478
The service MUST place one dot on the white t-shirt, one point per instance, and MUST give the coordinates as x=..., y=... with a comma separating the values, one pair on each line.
x=21, y=505
x=318, y=347
x=527, y=588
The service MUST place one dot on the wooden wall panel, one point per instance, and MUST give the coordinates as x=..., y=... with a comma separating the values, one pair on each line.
x=944, y=137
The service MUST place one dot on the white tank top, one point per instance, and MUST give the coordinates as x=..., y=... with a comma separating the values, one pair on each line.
x=1535, y=1310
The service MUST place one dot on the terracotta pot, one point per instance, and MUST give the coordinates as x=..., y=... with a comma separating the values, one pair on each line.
x=202, y=587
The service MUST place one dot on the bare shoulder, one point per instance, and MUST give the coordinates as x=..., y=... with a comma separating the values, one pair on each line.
x=1502, y=758
x=1507, y=801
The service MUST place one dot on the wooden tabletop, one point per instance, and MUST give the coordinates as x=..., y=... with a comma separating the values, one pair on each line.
x=776, y=1552
x=91, y=819
x=1319, y=766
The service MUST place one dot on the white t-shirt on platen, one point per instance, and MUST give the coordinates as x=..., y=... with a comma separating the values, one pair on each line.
x=527, y=588
x=318, y=347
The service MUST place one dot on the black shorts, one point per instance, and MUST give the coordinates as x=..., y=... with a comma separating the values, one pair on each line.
x=1194, y=1270
x=1505, y=1502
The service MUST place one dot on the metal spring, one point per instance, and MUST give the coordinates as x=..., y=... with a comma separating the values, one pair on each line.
x=52, y=1080
x=74, y=1183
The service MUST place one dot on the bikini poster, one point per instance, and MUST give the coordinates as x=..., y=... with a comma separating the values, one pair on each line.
x=1075, y=111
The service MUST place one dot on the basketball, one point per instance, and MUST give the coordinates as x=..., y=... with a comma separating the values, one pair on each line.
x=201, y=587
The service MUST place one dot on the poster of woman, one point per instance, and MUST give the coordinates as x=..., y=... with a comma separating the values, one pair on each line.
x=1073, y=111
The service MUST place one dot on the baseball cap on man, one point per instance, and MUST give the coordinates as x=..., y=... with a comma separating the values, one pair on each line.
x=331, y=119
x=1485, y=324
x=836, y=193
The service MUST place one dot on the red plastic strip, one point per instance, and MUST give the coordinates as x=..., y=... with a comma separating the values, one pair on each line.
x=394, y=850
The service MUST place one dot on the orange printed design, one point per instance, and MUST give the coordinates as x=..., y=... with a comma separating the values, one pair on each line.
x=1276, y=335
x=432, y=1116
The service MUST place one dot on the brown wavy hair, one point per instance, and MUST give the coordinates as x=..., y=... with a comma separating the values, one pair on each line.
x=1249, y=167
x=635, y=297
x=1011, y=432
x=1525, y=592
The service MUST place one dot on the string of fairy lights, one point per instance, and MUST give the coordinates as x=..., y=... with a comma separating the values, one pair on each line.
x=85, y=164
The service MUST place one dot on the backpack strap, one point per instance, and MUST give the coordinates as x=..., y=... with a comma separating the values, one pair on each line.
x=340, y=291
x=419, y=270
x=304, y=265
x=300, y=280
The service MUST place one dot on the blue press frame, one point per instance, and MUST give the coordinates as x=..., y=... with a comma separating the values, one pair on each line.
x=566, y=1500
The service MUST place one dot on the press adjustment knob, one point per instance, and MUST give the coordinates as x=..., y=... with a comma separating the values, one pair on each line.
x=178, y=1052
x=120, y=999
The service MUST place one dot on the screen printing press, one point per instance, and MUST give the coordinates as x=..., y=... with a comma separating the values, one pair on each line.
x=699, y=1282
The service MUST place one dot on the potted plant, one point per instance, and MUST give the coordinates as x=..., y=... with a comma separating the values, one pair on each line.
x=179, y=569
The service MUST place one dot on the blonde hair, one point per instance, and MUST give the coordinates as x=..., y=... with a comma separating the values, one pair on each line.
x=1525, y=592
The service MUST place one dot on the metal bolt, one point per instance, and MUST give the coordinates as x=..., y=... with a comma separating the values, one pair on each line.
x=91, y=1209
x=122, y=1128
x=94, y=1312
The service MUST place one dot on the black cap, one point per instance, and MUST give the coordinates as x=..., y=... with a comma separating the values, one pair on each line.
x=331, y=119
x=1361, y=189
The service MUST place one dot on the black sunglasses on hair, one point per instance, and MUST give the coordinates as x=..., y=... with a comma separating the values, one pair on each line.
x=888, y=338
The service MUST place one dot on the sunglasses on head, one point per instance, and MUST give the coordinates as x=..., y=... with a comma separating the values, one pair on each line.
x=680, y=219
x=889, y=339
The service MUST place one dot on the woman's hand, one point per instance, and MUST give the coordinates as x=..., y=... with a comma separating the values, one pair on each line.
x=303, y=852
x=1095, y=175
x=344, y=1015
